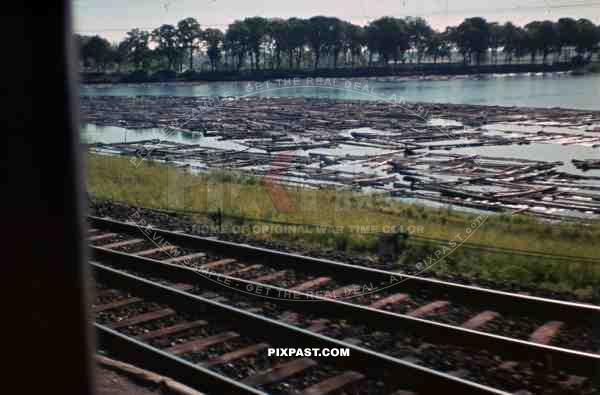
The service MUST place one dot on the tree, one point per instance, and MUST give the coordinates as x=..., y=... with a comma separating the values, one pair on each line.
x=256, y=30
x=97, y=50
x=189, y=35
x=319, y=35
x=496, y=38
x=472, y=37
x=567, y=34
x=298, y=35
x=449, y=34
x=511, y=41
x=167, y=44
x=118, y=55
x=236, y=41
x=438, y=46
x=588, y=36
x=336, y=39
x=355, y=40
x=271, y=41
x=79, y=43
x=522, y=45
x=419, y=33
x=388, y=37
x=214, y=39
x=136, y=48
x=543, y=37
x=279, y=31
x=597, y=49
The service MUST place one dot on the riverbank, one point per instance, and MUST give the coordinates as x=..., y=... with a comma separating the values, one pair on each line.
x=405, y=71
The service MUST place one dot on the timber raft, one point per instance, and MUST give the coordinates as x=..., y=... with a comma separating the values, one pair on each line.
x=407, y=150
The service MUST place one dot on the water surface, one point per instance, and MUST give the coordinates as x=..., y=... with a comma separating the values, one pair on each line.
x=523, y=90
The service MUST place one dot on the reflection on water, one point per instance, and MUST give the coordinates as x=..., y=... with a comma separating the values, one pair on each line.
x=541, y=152
x=544, y=90
x=91, y=133
x=536, y=151
x=114, y=134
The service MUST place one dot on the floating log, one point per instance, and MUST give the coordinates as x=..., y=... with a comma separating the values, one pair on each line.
x=374, y=180
x=587, y=164
x=532, y=191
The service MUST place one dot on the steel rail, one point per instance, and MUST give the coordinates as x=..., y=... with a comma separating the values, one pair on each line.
x=130, y=350
x=575, y=362
x=500, y=301
x=392, y=371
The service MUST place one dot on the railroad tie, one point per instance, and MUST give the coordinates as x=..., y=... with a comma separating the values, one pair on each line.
x=152, y=251
x=171, y=330
x=183, y=287
x=123, y=243
x=316, y=282
x=103, y=236
x=280, y=372
x=415, y=360
x=480, y=319
x=243, y=270
x=200, y=344
x=343, y=292
x=508, y=365
x=429, y=308
x=235, y=355
x=392, y=299
x=333, y=384
x=184, y=258
x=289, y=317
x=220, y=299
x=106, y=293
x=573, y=381
x=460, y=373
x=215, y=264
x=546, y=332
x=209, y=295
x=270, y=277
x=318, y=325
x=113, y=305
x=142, y=318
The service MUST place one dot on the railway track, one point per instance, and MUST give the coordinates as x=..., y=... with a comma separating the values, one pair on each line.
x=222, y=349
x=539, y=341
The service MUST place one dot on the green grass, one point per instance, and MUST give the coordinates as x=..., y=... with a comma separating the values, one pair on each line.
x=594, y=68
x=244, y=200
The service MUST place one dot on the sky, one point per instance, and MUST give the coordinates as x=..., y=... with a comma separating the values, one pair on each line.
x=113, y=18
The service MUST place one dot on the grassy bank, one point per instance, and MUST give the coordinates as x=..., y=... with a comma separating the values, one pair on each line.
x=588, y=69
x=355, y=220
x=403, y=70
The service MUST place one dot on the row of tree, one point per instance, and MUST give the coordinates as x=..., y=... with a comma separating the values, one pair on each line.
x=319, y=41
